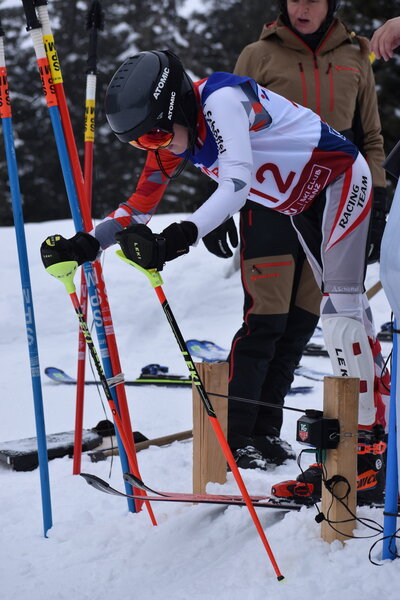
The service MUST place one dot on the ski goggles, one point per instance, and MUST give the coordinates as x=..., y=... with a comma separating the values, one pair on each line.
x=155, y=139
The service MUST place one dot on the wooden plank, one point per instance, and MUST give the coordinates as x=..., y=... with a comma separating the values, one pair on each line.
x=341, y=402
x=209, y=462
x=374, y=289
x=164, y=440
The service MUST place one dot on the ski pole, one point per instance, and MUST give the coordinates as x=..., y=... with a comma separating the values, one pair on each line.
x=95, y=21
x=97, y=292
x=6, y=118
x=99, y=301
x=65, y=271
x=56, y=74
x=156, y=282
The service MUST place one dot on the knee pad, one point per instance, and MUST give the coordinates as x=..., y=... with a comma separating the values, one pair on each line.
x=350, y=353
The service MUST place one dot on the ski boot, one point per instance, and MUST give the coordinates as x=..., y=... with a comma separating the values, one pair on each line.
x=371, y=466
x=275, y=450
x=371, y=455
x=249, y=458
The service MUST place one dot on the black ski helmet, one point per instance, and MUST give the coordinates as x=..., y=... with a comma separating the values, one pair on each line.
x=150, y=90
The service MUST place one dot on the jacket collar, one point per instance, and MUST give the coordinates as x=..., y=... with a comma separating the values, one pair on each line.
x=336, y=35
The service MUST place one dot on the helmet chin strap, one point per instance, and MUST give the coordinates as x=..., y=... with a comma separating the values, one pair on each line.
x=188, y=153
x=179, y=169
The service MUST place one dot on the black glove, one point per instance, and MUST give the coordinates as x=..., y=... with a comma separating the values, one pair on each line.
x=151, y=250
x=82, y=247
x=380, y=208
x=216, y=241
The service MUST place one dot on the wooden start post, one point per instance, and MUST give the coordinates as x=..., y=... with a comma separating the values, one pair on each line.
x=341, y=402
x=209, y=462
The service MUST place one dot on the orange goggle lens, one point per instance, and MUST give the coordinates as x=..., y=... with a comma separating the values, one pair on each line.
x=155, y=139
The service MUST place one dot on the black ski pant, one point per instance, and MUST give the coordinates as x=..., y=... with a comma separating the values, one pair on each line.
x=281, y=311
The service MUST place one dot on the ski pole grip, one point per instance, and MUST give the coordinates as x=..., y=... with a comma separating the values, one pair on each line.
x=32, y=22
x=152, y=274
x=65, y=272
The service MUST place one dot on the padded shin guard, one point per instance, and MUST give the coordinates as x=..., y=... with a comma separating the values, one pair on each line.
x=350, y=353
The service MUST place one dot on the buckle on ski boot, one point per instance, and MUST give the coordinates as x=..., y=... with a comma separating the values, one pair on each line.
x=378, y=448
x=292, y=489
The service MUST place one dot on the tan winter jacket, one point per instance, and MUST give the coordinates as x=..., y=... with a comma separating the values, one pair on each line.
x=336, y=82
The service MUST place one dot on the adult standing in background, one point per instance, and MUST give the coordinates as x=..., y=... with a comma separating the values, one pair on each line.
x=309, y=56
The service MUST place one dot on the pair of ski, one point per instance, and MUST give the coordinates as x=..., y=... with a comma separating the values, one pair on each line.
x=221, y=499
x=169, y=380
x=210, y=352
x=60, y=376
x=205, y=350
x=284, y=504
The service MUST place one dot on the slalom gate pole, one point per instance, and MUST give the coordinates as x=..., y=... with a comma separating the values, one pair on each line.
x=65, y=271
x=392, y=489
x=80, y=383
x=99, y=302
x=156, y=282
x=95, y=21
x=390, y=278
x=6, y=118
x=102, y=319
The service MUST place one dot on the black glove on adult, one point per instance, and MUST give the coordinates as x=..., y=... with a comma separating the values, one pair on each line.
x=216, y=241
x=82, y=247
x=380, y=208
x=151, y=250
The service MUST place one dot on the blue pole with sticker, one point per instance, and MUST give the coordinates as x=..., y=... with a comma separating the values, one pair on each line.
x=5, y=113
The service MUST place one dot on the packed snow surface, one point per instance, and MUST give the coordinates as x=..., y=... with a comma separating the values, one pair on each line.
x=96, y=548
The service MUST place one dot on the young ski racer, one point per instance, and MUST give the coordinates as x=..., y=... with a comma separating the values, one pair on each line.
x=259, y=146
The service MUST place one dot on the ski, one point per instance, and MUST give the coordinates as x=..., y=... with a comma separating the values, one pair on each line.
x=300, y=389
x=207, y=351
x=210, y=352
x=60, y=376
x=312, y=349
x=386, y=332
x=312, y=374
x=221, y=499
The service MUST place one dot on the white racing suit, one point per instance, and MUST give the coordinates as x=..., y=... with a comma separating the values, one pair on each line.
x=262, y=147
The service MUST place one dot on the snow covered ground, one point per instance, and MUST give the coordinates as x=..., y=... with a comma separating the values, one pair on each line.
x=96, y=549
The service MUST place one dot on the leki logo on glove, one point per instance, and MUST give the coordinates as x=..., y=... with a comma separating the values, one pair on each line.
x=136, y=247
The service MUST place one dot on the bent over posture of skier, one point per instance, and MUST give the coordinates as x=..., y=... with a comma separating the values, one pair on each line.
x=259, y=146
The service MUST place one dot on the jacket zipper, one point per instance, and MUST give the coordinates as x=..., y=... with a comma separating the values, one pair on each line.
x=331, y=89
x=317, y=86
x=303, y=84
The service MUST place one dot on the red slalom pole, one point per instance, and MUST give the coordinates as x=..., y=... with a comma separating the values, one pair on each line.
x=95, y=21
x=156, y=282
x=80, y=383
x=99, y=298
x=64, y=272
x=48, y=39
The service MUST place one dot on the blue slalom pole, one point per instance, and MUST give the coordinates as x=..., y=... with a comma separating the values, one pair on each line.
x=5, y=113
x=35, y=30
x=390, y=278
x=391, y=497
